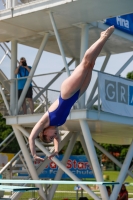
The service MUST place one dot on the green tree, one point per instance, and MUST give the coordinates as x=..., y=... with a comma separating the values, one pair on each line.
x=5, y=130
x=130, y=75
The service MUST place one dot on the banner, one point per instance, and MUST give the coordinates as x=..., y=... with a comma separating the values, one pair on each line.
x=77, y=164
x=5, y=158
x=116, y=94
x=123, y=23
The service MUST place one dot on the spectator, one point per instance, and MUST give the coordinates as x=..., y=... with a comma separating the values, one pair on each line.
x=123, y=195
x=21, y=71
x=108, y=190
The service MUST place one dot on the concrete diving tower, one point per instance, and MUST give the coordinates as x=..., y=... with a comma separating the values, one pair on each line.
x=67, y=28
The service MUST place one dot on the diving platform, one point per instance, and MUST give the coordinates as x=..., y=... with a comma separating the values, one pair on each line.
x=104, y=127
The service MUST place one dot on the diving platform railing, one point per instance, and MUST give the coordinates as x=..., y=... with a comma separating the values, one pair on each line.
x=44, y=95
x=13, y=3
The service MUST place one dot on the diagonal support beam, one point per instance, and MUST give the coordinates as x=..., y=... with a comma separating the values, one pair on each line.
x=28, y=158
x=47, y=161
x=51, y=82
x=38, y=56
x=111, y=157
x=59, y=42
x=64, y=161
x=124, y=66
x=122, y=173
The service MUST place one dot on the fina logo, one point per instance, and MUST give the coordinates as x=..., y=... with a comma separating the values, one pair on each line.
x=122, y=22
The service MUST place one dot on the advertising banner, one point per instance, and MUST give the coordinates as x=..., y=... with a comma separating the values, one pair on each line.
x=77, y=164
x=123, y=23
x=116, y=94
x=5, y=158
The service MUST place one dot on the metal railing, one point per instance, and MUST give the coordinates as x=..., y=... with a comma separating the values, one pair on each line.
x=5, y=4
x=43, y=97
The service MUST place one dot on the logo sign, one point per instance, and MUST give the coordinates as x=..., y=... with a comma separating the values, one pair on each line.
x=123, y=23
x=116, y=95
x=77, y=164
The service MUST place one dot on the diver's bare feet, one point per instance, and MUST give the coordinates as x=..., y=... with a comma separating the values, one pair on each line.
x=106, y=34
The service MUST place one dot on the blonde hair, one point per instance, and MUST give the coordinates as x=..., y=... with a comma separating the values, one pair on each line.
x=43, y=137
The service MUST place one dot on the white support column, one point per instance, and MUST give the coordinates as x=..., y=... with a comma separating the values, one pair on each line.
x=84, y=47
x=28, y=159
x=59, y=42
x=93, y=157
x=13, y=67
x=122, y=173
x=38, y=56
x=111, y=157
x=64, y=168
x=64, y=161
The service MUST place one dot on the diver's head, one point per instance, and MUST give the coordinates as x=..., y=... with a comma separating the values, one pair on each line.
x=48, y=134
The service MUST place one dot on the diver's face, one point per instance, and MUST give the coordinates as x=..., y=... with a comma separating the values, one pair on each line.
x=51, y=133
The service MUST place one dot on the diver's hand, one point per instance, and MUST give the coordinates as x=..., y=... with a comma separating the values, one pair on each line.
x=37, y=159
x=52, y=155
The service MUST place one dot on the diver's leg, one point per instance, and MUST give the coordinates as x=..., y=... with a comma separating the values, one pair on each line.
x=78, y=78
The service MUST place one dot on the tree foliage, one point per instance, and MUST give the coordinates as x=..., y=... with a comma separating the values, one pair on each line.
x=5, y=130
x=130, y=75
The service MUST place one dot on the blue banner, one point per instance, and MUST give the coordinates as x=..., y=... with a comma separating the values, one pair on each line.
x=123, y=23
x=77, y=164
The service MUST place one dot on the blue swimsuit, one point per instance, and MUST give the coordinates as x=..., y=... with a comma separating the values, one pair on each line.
x=59, y=115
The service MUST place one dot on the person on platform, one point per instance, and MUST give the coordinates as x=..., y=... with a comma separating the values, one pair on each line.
x=21, y=71
x=71, y=89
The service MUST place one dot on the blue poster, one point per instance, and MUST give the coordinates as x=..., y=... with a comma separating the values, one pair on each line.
x=123, y=23
x=77, y=164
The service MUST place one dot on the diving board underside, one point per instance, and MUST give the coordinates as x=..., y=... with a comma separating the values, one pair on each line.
x=69, y=16
x=17, y=188
x=56, y=182
x=104, y=127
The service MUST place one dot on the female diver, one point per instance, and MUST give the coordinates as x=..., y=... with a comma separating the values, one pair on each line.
x=71, y=89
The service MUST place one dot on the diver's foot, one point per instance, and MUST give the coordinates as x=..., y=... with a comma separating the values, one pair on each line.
x=107, y=33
